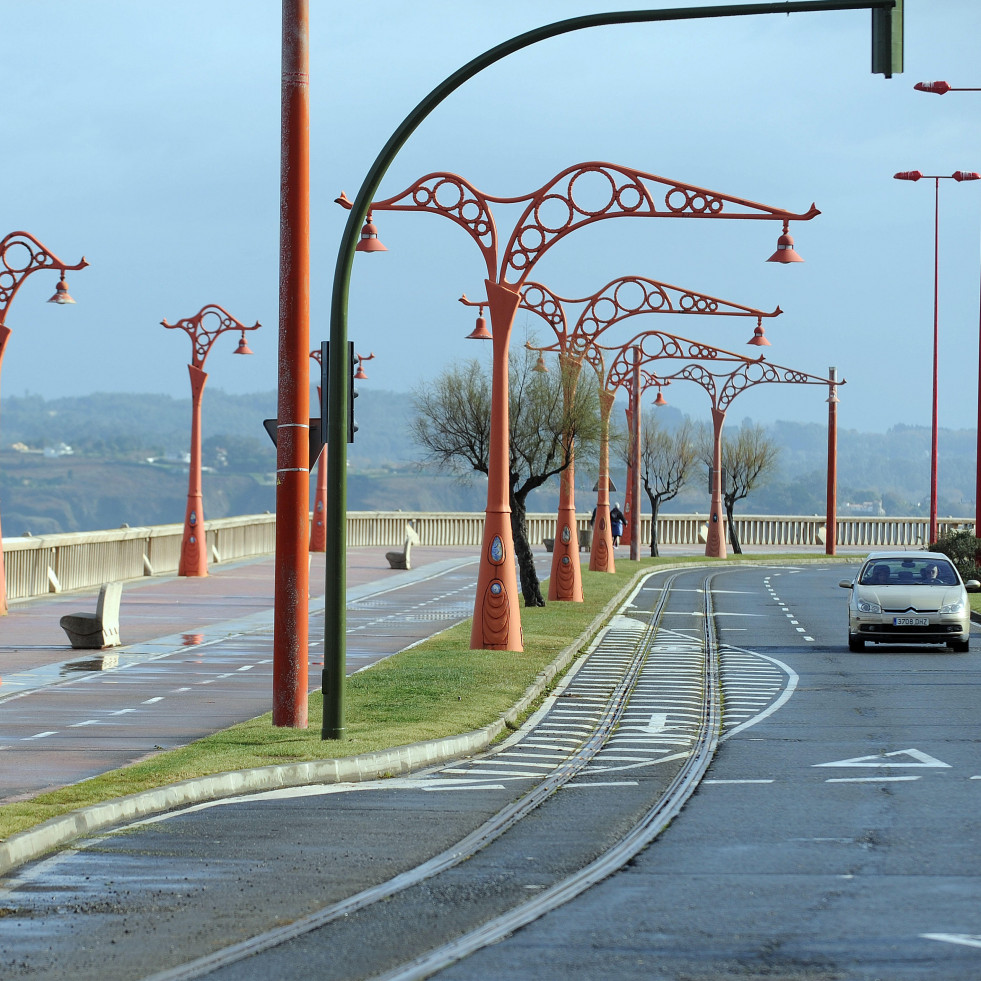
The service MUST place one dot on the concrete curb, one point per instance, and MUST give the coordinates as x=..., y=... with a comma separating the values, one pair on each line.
x=26, y=846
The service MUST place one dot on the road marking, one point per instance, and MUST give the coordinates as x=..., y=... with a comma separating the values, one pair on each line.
x=150, y=701
x=656, y=724
x=965, y=939
x=42, y=735
x=736, y=781
x=87, y=722
x=921, y=758
x=609, y=783
x=870, y=779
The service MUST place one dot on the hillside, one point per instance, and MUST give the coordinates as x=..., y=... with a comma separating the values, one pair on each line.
x=127, y=451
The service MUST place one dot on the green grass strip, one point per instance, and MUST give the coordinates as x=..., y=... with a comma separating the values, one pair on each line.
x=438, y=688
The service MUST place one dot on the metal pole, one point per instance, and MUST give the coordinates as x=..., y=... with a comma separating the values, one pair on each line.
x=291, y=628
x=194, y=545
x=831, y=524
x=635, y=461
x=936, y=345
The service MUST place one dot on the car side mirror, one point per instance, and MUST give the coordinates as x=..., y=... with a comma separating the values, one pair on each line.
x=848, y=583
x=973, y=586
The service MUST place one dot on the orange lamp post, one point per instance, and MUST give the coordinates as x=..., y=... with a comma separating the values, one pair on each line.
x=617, y=301
x=959, y=176
x=578, y=196
x=20, y=255
x=722, y=387
x=625, y=364
x=203, y=329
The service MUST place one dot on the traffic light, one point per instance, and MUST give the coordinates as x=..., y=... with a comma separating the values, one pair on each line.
x=887, y=40
x=352, y=393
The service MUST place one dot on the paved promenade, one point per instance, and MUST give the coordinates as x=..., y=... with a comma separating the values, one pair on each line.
x=196, y=656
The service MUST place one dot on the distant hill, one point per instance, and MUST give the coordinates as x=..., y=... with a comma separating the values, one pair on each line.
x=108, y=477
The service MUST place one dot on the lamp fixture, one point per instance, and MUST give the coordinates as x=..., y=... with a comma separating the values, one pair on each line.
x=480, y=331
x=785, y=249
x=61, y=294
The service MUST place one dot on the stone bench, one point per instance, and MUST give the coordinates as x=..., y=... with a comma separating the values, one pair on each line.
x=401, y=560
x=99, y=629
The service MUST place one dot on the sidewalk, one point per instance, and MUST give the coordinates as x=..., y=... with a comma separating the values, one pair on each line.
x=173, y=612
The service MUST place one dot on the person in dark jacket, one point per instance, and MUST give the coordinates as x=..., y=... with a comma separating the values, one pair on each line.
x=616, y=523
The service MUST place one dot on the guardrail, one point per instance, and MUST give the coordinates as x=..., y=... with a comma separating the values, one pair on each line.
x=52, y=563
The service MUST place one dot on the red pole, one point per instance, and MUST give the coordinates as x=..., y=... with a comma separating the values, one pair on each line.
x=291, y=627
x=635, y=462
x=715, y=544
x=4, y=334
x=936, y=346
x=565, y=581
x=194, y=545
x=831, y=524
x=496, y=613
x=601, y=551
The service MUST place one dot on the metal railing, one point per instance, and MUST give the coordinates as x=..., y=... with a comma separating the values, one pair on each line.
x=53, y=563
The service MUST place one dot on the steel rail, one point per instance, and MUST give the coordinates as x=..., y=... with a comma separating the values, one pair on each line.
x=643, y=833
x=478, y=839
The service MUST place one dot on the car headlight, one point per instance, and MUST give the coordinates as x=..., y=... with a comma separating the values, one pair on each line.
x=957, y=607
x=867, y=606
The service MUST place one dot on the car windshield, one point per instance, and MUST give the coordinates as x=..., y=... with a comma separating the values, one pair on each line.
x=908, y=571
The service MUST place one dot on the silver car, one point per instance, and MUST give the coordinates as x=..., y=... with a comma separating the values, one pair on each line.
x=909, y=598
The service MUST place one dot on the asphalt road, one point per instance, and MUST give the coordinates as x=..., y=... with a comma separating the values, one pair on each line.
x=834, y=837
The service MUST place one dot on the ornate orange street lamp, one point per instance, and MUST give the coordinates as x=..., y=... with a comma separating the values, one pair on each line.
x=318, y=527
x=203, y=329
x=959, y=176
x=578, y=196
x=722, y=387
x=619, y=300
x=625, y=362
x=20, y=255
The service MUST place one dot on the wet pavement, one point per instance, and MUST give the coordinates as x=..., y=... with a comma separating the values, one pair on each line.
x=196, y=657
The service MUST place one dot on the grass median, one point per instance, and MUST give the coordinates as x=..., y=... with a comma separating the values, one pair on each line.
x=435, y=689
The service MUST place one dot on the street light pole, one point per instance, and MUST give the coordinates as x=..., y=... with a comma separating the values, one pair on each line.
x=831, y=524
x=203, y=329
x=20, y=255
x=336, y=578
x=959, y=176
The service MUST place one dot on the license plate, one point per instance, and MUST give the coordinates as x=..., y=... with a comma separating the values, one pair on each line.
x=911, y=621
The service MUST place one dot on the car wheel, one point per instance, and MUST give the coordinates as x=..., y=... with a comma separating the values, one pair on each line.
x=855, y=643
x=960, y=646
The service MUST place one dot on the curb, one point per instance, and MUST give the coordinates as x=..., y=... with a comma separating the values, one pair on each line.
x=25, y=846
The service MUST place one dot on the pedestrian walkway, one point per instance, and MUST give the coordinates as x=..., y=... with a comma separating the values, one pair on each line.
x=164, y=614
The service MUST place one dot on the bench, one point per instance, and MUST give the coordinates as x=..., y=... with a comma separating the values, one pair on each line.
x=585, y=541
x=99, y=629
x=400, y=560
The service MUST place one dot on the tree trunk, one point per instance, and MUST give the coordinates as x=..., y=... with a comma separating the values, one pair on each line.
x=733, y=539
x=654, y=506
x=527, y=573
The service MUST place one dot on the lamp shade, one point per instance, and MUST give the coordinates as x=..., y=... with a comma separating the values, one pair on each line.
x=369, y=238
x=480, y=331
x=759, y=338
x=785, y=249
x=940, y=88
x=61, y=294
x=243, y=347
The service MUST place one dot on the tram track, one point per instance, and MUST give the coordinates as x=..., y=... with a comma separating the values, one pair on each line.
x=497, y=924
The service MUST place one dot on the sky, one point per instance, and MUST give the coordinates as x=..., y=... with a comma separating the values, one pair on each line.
x=146, y=136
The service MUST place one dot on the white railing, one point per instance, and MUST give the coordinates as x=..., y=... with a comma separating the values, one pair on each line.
x=52, y=563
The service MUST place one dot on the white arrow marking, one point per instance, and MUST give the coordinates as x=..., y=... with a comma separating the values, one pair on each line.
x=922, y=760
x=656, y=725
x=965, y=939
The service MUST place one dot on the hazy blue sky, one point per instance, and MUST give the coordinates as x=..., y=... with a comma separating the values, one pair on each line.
x=145, y=135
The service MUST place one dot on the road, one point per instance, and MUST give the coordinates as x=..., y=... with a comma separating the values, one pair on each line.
x=833, y=835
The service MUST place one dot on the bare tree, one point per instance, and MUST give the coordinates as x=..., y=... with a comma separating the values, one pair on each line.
x=666, y=462
x=452, y=423
x=748, y=459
